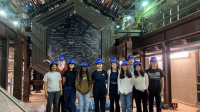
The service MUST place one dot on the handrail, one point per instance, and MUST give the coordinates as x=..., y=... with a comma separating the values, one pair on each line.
x=12, y=99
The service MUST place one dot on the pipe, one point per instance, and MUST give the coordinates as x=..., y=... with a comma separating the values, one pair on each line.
x=12, y=99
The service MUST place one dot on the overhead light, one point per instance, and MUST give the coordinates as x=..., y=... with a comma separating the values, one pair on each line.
x=128, y=17
x=15, y=23
x=120, y=62
x=144, y=3
x=2, y=13
x=117, y=26
x=179, y=55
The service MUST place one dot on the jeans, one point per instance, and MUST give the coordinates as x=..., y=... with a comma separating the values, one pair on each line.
x=114, y=97
x=70, y=98
x=53, y=97
x=62, y=103
x=126, y=102
x=139, y=95
x=151, y=101
x=84, y=101
x=99, y=95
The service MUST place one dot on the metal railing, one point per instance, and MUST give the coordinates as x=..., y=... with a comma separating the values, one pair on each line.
x=169, y=16
x=12, y=99
x=133, y=23
x=161, y=19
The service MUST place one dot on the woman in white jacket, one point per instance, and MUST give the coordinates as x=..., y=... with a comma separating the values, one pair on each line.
x=125, y=86
x=113, y=92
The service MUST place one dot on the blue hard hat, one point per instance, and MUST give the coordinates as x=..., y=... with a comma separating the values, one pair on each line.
x=130, y=56
x=84, y=64
x=54, y=62
x=99, y=60
x=136, y=63
x=153, y=59
x=124, y=63
x=114, y=60
x=61, y=58
x=71, y=61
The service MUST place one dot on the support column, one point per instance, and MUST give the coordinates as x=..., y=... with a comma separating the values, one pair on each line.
x=167, y=70
x=128, y=47
x=142, y=58
x=26, y=72
x=38, y=87
x=17, y=93
x=4, y=63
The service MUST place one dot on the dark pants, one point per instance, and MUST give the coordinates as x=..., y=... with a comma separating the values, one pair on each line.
x=62, y=103
x=99, y=95
x=70, y=98
x=133, y=97
x=151, y=101
x=139, y=95
x=53, y=97
x=114, y=97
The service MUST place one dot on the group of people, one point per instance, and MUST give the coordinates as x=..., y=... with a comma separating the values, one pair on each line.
x=123, y=83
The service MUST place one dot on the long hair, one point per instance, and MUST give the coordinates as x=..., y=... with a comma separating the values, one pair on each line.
x=150, y=66
x=136, y=72
x=128, y=73
x=51, y=66
x=81, y=73
x=116, y=68
x=74, y=70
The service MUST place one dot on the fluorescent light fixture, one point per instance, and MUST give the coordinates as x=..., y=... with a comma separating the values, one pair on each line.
x=15, y=23
x=128, y=17
x=179, y=55
x=144, y=3
x=2, y=13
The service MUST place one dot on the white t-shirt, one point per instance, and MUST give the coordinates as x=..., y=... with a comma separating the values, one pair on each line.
x=52, y=79
x=141, y=83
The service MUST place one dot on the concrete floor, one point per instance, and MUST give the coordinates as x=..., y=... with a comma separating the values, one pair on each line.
x=37, y=99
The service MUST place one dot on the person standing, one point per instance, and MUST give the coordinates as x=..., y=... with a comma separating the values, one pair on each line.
x=52, y=87
x=69, y=87
x=125, y=86
x=61, y=69
x=131, y=60
x=113, y=92
x=83, y=85
x=156, y=84
x=99, y=78
x=141, y=82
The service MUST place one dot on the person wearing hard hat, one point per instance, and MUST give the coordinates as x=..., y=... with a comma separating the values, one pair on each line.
x=125, y=86
x=141, y=82
x=131, y=60
x=69, y=86
x=99, y=78
x=61, y=69
x=83, y=85
x=156, y=84
x=52, y=87
x=113, y=92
